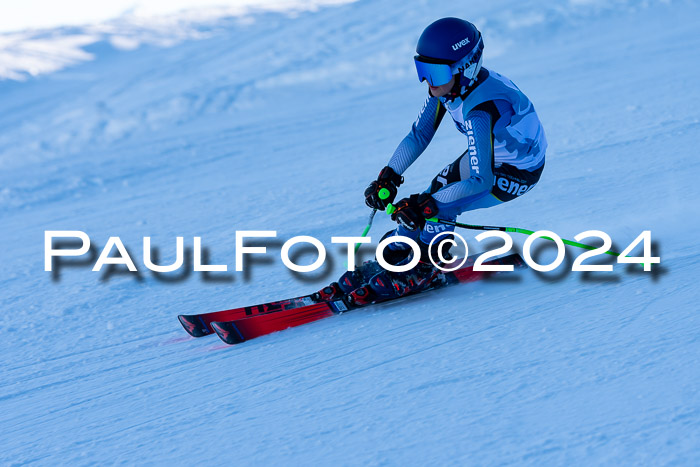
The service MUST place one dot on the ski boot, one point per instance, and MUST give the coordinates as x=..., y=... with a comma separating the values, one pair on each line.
x=348, y=282
x=387, y=285
x=357, y=285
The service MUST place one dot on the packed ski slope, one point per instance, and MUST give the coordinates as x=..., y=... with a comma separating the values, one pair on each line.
x=278, y=122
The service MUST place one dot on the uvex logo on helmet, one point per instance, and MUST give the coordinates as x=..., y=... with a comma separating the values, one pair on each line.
x=460, y=44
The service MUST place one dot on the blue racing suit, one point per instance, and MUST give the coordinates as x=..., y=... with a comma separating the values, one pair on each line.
x=505, y=149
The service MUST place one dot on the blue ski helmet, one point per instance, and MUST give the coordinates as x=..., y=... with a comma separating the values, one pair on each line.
x=447, y=47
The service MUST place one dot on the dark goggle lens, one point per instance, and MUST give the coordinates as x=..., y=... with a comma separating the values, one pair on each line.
x=436, y=74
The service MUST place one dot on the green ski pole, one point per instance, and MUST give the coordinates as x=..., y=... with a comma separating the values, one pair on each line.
x=516, y=230
x=366, y=231
x=390, y=209
x=383, y=194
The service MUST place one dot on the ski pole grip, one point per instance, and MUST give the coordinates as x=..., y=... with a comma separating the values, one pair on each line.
x=384, y=193
x=390, y=208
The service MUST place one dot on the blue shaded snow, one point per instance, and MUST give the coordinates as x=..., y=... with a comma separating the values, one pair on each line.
x=278, y=123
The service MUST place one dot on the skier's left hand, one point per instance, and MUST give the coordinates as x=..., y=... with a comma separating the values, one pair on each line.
x=412, y=212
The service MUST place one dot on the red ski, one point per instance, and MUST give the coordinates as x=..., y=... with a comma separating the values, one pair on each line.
x=242, y=329
x=200, y=325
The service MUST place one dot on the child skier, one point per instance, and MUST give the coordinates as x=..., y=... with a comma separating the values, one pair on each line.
x=504, y=156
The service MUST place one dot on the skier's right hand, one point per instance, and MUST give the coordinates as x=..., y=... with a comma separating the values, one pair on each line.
x=389, y=181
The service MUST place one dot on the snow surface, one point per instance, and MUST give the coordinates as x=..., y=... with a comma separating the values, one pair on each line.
x=278, y=123
x=42, y=14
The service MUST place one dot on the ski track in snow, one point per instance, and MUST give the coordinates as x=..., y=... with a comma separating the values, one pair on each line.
x=279, y=123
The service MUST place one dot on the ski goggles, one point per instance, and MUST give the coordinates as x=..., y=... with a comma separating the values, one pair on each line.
x=438, y=72
x=435, y=72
